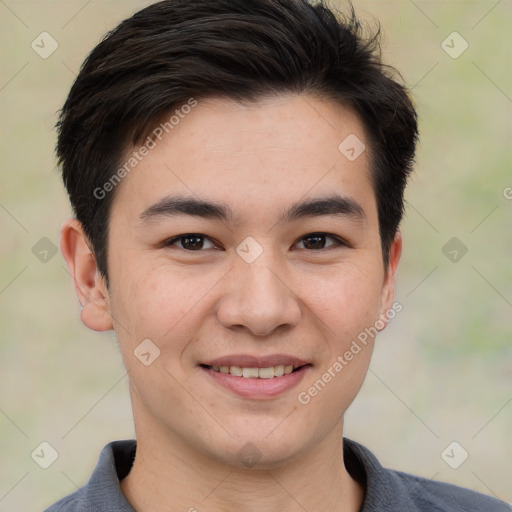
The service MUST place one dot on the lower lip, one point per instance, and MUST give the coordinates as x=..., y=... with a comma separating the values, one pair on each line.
x=258, y=388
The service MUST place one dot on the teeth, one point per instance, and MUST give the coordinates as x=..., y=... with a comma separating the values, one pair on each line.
x=265, y=373
x=279, y=370
x=256, y=373
x=235, y=370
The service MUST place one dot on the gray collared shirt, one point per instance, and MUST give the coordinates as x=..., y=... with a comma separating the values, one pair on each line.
x=385, y=490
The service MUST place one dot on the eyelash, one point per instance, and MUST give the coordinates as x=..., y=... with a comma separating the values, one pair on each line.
x=338, y=241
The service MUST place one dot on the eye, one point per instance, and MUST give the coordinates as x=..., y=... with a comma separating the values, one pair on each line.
x=192, y=242
x=316, y=241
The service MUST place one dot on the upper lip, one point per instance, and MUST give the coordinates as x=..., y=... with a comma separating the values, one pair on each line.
x=249, y=361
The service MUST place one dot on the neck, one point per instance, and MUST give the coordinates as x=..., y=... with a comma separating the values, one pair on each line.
x=169, y=475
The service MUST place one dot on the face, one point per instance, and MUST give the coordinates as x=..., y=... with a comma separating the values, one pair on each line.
x=247, y=239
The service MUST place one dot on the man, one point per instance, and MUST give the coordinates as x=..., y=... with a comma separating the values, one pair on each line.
x=237, y=171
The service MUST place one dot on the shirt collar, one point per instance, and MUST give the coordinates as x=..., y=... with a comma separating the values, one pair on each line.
x=116, y=460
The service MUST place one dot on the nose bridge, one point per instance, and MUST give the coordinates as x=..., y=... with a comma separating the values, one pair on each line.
x=258, y=298
x=261, y=286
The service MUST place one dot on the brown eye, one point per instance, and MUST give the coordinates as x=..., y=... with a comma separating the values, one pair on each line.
x=192, y=242
x=315, y=241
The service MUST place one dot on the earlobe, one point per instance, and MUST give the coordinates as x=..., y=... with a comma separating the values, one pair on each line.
x=89, y=284
x=388, y=289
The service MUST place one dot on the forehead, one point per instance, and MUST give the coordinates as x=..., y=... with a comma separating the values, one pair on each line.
x=253, y=155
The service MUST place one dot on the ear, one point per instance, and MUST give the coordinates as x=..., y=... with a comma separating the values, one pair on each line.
x=90, y=285
x=388, y=288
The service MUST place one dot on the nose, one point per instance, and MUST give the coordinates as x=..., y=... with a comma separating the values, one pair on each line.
x=257, y=298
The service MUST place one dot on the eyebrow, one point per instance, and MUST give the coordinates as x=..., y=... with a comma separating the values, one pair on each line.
x=334, y=205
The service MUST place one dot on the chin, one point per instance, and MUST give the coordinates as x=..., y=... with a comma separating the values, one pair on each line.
x=261, y=448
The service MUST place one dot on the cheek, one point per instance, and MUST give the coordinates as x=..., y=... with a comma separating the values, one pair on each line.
x=346, y=306
x=153, y=302
x=346, y=300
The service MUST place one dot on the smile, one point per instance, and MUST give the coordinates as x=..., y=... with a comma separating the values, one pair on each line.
x=269, y=372
x=256, y=383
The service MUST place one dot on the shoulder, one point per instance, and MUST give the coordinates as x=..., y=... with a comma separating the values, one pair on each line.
x=71, y=503
x=387, y=490
x=103, y=492
x=436, y=496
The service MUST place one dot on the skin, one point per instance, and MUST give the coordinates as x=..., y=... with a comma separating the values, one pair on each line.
x=259, y=159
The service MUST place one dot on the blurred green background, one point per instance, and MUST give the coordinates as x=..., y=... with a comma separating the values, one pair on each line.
x=441, y=372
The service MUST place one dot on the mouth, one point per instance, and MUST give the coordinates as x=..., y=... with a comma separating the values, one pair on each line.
x=256, y=378
x=251, y=372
